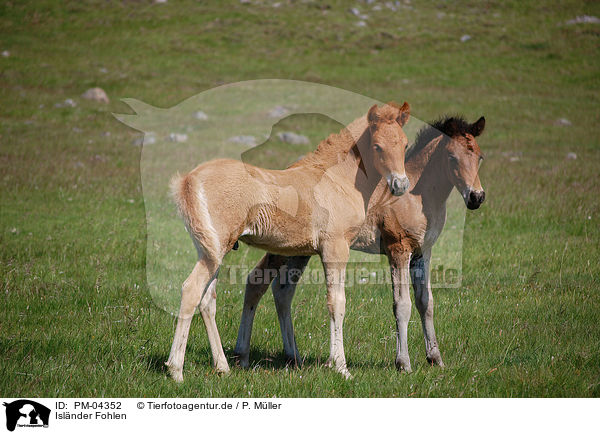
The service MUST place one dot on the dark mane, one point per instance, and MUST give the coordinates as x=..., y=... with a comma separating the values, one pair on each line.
x=451, y=126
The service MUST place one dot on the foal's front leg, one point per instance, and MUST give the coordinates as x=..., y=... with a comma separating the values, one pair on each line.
x=402, y=306
x=285, y=277
x=335, y=258
x=419, y=272
x=257, y=284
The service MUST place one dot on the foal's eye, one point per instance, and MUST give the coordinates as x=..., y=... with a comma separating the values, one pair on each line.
x=377, y=147
x=452, y=158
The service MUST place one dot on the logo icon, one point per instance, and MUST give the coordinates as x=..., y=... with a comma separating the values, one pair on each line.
x=26, y=413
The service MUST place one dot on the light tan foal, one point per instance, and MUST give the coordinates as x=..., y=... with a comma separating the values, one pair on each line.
x=315, y=207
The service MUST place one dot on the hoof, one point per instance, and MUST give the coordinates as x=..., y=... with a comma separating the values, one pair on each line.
x=435, y=358
x=347, y=375
x=403, y=365
x=176, y=373
x=329, y=363
x=222, y=368
x=295, y=361
x=242, y=360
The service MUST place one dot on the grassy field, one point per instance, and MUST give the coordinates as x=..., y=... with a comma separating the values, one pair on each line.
x=76, y=317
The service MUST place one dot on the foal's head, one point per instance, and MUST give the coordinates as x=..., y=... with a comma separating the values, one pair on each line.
x=464, y=157
x=388, y=144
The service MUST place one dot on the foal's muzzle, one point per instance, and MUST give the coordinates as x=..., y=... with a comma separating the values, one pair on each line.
x=398, y=184
x=474, y=199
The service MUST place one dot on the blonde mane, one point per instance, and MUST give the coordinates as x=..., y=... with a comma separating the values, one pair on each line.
x=336, y=146
x=330, y=151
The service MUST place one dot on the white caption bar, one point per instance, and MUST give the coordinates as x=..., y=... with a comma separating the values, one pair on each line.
x=45, y=416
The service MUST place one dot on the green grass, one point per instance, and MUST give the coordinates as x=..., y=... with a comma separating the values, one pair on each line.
x=76, y=317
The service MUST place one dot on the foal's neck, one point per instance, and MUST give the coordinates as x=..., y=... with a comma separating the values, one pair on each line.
x=357, y=166
x=429, y=169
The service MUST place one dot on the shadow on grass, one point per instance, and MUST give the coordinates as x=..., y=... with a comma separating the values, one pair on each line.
x=271, y=361
x=264, y=360
x=156, y=363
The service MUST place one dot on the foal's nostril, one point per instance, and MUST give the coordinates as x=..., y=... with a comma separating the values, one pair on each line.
x=404, y=183
x=476, y=198
x=398, y=185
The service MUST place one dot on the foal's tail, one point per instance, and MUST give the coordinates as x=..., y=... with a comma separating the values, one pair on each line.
x=192, y=205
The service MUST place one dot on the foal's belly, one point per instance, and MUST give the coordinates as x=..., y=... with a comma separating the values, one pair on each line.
x=284, y=235
x=282, y=245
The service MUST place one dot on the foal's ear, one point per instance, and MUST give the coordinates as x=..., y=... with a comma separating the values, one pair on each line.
x=372, y=115
x=403, y=114
x=476, y=128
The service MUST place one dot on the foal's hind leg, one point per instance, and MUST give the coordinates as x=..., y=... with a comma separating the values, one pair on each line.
x=419, y=271
x=257, y=284
x=208, y=310
x=284, y=288
x=198, y=288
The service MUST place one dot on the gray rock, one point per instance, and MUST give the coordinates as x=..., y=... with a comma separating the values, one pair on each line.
x=293, y=138
x=201, y=116
x=512, y=156
x=178, y=137
x=391, y=6
x=146, y=139
x=357, y=14
x=6, y=53
x=66, y=103
x=582, y=19
x=361, y=24
x=563, y=122
x=465, y=38
x=278, y=112
x=243, y=140
x=96, y=94
x=571, y=156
